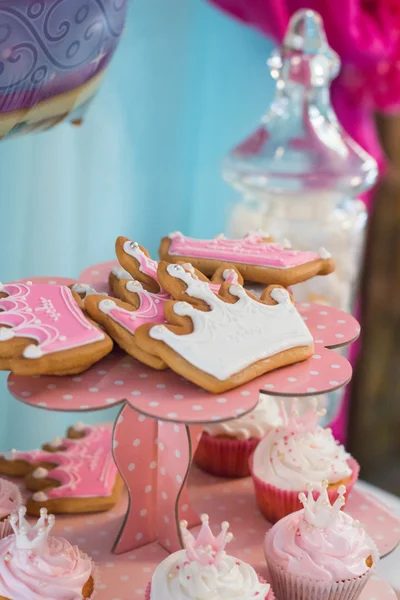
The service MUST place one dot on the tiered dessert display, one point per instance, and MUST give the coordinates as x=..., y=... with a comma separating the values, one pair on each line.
x=223, y=346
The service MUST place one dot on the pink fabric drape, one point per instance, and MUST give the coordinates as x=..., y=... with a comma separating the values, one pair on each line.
x=366, y=35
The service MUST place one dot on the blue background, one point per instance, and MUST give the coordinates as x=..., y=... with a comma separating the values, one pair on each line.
x=186, y=84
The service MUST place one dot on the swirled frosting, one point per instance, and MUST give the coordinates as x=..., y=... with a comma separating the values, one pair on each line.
x=254, y=425
x=10, y=498
x=59, y=573
x=291, y=459
x=176, y=578
x=334, y=553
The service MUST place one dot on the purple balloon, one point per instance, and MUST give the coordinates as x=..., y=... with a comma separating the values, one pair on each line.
x=52, y=47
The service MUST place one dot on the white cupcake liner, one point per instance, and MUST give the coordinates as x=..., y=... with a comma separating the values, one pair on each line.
x=292, y=587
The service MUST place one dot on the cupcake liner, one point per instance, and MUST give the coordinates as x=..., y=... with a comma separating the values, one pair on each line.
x=225, y=457
x=293, y=587
x=5, y=529
x=269, y=596
x=275, y=503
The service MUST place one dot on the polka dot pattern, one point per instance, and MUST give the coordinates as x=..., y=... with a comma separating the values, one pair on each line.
x=148, y=390
x=329, y=326
x=125, y=576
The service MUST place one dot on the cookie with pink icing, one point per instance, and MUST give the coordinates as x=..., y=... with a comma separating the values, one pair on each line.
x=237, y=338
x=256, y=256
x=320, y=551
x=141, y=304
x=75, y=474
x=204, y=571
x=37, y=566
x=43, y=331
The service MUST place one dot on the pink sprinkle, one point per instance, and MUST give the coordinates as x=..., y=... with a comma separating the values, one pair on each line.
x=188, y=577
x=178, y=567
x=238, y=564
x=290, y=450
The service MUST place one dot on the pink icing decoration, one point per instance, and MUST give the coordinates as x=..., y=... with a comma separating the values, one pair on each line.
x=206, y=549
x=10, y=498
x=34, y=566
x=151, y=309
x=320, y=542
x=48, y=314
x=85, y=469
x=251, y=250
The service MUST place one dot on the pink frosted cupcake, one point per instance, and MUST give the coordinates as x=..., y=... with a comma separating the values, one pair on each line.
x=295, y=455
x=204, y=571
x=225, y=448
x=10, y=500
x=319, y=552
x=34, y=566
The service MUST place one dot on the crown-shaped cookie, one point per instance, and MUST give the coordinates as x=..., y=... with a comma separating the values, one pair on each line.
x=235, y=339
x=49, y=315
x=32, y=538
x=256, y=255
x=206, y=549
x=140, y=302
x=321, y=513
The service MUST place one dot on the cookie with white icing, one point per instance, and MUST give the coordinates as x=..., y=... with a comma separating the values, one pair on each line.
x=256, y=256
x=136, y=304
x=43, y=331
x=237, y=338
x=75, y=474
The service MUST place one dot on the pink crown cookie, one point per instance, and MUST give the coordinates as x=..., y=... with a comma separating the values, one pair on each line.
x=76, y=474
x=43, y=331
x=37, y=566
x=141, y=303
x=237, y=339
x=256, y=256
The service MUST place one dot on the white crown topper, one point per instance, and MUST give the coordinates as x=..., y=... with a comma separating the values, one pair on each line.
x=31, y=537
x=230, y=337
x=321, y=513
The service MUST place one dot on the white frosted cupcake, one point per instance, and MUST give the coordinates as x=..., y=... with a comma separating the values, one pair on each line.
x=203, y=571
x=225, y=448
x=319, y=552
x=297, y=454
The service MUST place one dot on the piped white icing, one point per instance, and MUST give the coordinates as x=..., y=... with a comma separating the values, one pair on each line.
x=230, y=337
x=324, y=254
x=300, y=453
x=254, y=425
x=203, y=571
x=120, y=273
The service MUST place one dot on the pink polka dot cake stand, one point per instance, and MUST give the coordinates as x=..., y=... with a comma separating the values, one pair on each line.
x=125, y=576
x=159, y=425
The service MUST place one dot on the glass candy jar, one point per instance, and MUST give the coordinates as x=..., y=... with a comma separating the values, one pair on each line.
x=299, y=172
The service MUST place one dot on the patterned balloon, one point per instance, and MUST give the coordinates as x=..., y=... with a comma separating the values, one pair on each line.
x=53, y=54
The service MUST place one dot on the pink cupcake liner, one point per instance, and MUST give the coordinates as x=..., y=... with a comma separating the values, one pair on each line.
x=269, y=596
x=225, y=457
x=275, y=503
x=293, y=587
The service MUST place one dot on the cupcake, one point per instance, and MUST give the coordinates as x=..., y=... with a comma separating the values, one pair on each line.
x=10, y=500
x=298, y=453
x=225, y=448
x=34, y=566
x=319, y=552
x=203, y=571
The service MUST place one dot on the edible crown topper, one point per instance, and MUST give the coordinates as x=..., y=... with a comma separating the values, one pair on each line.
x=31, y=537
x=305, y=423
x=206, y=549
x=321, y=513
